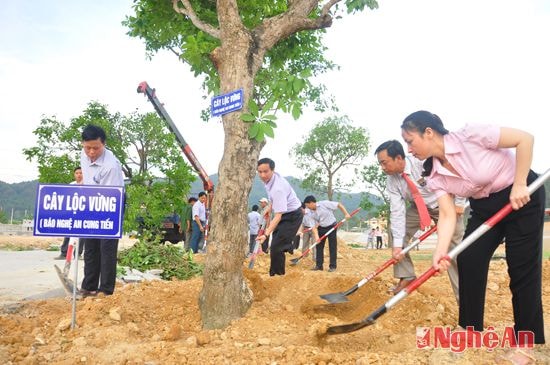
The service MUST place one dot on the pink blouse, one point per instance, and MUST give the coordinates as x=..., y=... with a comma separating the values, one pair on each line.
x=483, y=167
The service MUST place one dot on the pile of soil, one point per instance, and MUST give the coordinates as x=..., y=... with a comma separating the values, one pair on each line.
x=159, y=322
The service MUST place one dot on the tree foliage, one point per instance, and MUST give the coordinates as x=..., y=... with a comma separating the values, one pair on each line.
x=156, y=174
x=332, y=146
x=375, y=179
x=284, y=83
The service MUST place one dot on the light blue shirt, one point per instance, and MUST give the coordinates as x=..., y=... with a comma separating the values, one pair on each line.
x=199, y=210
x=282, y=196
x=324, y=214
x=106, y=170
x=309, y=219
x=254, y=221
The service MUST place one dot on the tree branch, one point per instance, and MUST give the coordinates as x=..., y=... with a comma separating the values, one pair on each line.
x=188, y=11
x=294, y=20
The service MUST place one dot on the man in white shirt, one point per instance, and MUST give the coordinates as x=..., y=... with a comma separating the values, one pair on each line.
x=199, y=222
x=323, y=216
x=99, y=167
x=405, y=220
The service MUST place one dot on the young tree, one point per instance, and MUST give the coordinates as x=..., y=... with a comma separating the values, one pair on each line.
x=150, y=158
x=270, y=49
x=331, y=146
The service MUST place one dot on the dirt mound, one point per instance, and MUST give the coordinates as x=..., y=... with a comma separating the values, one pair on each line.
x=159, y=322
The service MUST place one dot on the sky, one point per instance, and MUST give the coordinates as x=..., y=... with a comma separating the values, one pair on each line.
x=468, y=61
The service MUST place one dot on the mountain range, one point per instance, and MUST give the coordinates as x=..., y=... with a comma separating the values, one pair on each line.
x=21, y=196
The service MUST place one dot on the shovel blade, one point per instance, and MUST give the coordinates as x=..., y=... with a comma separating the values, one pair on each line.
x=351, y=327
x=67, y=283
x=293, y=262
x=335, y=298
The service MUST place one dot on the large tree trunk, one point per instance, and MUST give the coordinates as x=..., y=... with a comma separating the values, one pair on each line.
x=225, y=295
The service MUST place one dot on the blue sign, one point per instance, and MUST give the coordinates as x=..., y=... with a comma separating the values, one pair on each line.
x=79, y=211
x=227, y=103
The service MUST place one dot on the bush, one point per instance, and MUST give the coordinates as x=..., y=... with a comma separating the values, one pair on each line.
x=174, y=261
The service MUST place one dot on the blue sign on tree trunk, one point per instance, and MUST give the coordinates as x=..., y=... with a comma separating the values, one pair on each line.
x=227, y=103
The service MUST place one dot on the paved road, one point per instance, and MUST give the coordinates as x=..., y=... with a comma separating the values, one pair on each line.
x=30, y=275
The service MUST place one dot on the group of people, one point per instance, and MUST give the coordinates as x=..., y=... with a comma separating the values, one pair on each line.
x=292, y=217
x=444, y=171
x=194, y=220
x=376, y=234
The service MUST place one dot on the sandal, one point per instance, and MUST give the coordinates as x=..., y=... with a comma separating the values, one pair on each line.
x=517, y=357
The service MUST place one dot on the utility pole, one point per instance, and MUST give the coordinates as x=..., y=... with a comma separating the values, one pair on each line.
x=11, y=219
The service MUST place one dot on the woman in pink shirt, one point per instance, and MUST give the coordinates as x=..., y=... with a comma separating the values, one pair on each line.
x=478, y=162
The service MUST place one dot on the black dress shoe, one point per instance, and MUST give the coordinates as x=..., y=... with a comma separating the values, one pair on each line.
x=317, y=268
x=87, y=293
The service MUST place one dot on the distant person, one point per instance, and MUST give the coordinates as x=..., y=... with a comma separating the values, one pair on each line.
x=99, y=167
x=378, y=236
x=199, y=222
x=77, y=173
x=187, y=219
x=254, y=222
x=287, y=215
x=265, y=212
x=370, y=238
x=323, y=215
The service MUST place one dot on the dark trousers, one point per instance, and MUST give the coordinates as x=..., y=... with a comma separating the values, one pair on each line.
x=522, y=231
x=196, y=236
x=100, y=261
x=282, y=240
x=65, y=246
x=252, y=243
x=379, y=242
x=332, y=247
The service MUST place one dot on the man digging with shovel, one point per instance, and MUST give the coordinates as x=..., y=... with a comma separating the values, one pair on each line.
x=406, y=184
x=287, y=219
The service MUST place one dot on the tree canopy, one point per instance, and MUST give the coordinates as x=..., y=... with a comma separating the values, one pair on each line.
x=332, y=146
x=151, y=160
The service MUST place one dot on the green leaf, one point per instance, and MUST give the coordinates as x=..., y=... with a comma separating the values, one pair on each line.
x=253, y=130
x=260, y=136
x=269, y=117
x=268, y=130
x=253, y=107
x=248, y=118
x=298, y=84
x=296, y=110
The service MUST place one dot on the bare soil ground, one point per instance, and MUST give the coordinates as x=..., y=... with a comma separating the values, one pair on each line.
x=159, y=322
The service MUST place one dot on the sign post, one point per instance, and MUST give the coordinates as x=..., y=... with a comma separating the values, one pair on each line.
x=93, y=211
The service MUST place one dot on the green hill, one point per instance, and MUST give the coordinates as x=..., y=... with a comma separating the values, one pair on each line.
x=350, y=200
x=19, y=197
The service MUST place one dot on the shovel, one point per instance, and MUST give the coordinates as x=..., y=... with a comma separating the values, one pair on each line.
x=67, y=283
x=257, y=248
x=341, y=297
x=296, y=260
x=490, y=223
